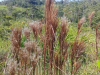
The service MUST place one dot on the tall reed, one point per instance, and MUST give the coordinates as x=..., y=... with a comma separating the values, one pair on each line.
x=51, y=22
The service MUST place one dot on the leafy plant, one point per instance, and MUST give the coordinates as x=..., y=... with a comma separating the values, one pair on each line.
x=98, y=64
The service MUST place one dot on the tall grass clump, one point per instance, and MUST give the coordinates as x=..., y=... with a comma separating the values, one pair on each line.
x=51, y=22
x=77, y=49
x=22, y=60
x=48, y=50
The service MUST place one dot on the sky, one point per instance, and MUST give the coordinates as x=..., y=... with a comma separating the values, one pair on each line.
x=58, y=0
x=1, y=0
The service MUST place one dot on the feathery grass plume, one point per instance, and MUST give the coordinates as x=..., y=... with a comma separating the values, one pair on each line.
x=77, y=50
x=30, y=46
x=26, y=33
x=34, y=53
x=16, y=37
x=65, y=54
x=34, y=60
x=38, y=51
x=36, y=28
x=82, y=20
x=11, y=67
x=15, y=41
x=90, y=18
x=24, y=56
x=91, y=15
x=47, y=19
x=51, y=22
x=34, y=46
x=63, y=33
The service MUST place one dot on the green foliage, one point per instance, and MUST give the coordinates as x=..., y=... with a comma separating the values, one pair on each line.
x=98, y=64
x=71, y=33
x=60, y=11
x=4, y=32
x=22, y=41
x=16, y=13
x=6, y=23
x=2, y=64
x=75, y=10
x=3, y=49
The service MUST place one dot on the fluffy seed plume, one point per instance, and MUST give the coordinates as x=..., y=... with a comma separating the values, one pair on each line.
x=16, y=37
x=28, y=46
x=91, y=15
x=24, y=55
x=63, y=33
x=82, y=20
x=11, y=66
x=15, y=42
x=36, y=28
x=31, y=46
x=90, y=18
x=26, y=32
x=78, y=48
